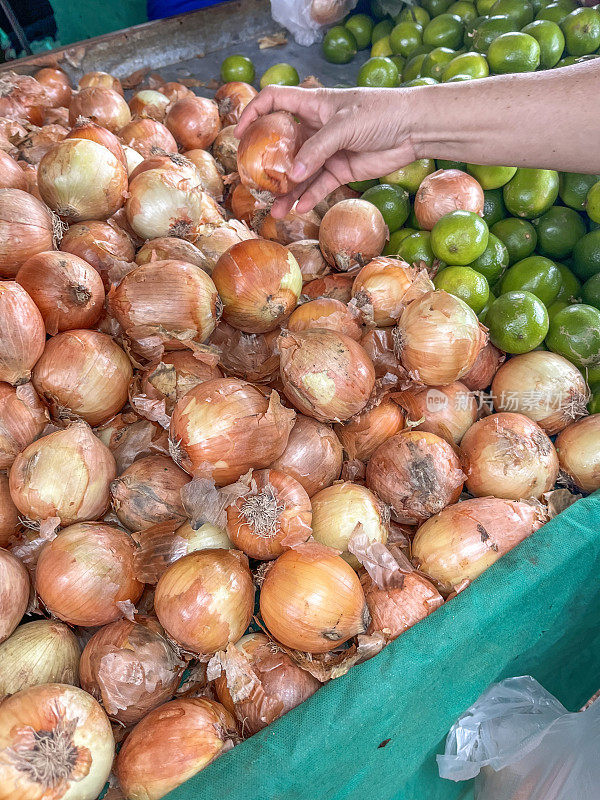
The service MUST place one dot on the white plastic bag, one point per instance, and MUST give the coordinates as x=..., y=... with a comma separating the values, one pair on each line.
x=522, y=744
x=307, y=19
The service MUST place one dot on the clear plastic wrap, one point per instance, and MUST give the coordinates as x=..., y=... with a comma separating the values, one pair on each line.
x=307, y=19
x=521, y=744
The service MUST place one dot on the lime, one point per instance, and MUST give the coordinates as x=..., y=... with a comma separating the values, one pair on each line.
x=436, y=62
x=559, y=230
x=436, y=7
x=413, y=66
x=568, y=5
x=361, y=27
x=553, y=12
x=459, y=238
x=382, y=47
x=590, y=291
x=489, y=30
x=550, y=39
x=280, y=75
x=570, y=289
x=411, y=176
x=555, y=307
x=592, y=202
x=518, y=322
x=519, y=11
x=493, y=206
x=400, y=63
x=383, y=28
x=472, y=64
x=514, y=52
x=413, y=14
x=405, y=37
x=592, y=375
x=465, y=10
x=586, y=256
x=378, y=71
x=421, y=82
x=534, y=274
x=393, y=203
x=396, y=238
x=484, y=6
x=465, y=283
x=491, y=177
x=412, y=221
x=339, y=45
x=459, y=78
x=483, y=313
x=237, y=68
x=442, y=163
x=575, y=334
x=594, y=402
x=582, y=31
x=574, y=187
x=518, y=235
x=362, y=186
x=570, y=60
x=531, y=192
x=493, y=261
x=444, y=31
x=417, y=247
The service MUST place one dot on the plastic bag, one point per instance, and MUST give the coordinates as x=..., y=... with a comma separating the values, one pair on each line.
x=522, y=744
x=307, y=19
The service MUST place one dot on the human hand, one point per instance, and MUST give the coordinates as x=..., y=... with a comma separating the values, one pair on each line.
x=352, y=135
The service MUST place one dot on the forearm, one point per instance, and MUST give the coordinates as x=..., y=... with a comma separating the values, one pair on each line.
x=545, y=119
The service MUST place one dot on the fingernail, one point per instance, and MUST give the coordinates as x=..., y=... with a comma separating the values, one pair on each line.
x=298, y=172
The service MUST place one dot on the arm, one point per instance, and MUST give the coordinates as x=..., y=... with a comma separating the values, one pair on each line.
x=547, y=119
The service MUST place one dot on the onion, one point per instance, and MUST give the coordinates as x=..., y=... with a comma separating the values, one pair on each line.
x=293, y=227
x=326, y=12
x=81, y=179
x=259, y=283
x=438, y=338
x=186, y=173
x=445, y=191
x=169, y=247
x=485, y=367
x=175, y=91
x=328, y=314
x=85, y=575
x=251, y=356
x=338, y=287
x=385, y=286
x=128, y=437
x=22, y=98
x=61, y=742
x=509, y=456
x=352, y=233
x=57, y=85
x=146, y=135
x=30, y=174
x=313, y=455
x=14, y=593
x=379, y=346
x=224, y=427
x=462, y=541
x=86, y=129
x=83, y=374
x=22, y=333
x=395, y=610
x=11, y=174
x=148, y=492
x=9, y=516
x=101, y=105
x=57, y=116
x=544, y=387
x=149, y=103
x=205, y=600
x=577, y=447
x=417, y=474
x=339, y=509
x=213, y=243
x=66, y=474
x=310, y=259
x=27, y=227
x=225, y=147
x=232, y=98
x=165, y=304
x=132, y=157
x=171, y=744
x=342, y=192
x=103, y=79
x=211, y=178
x=100, y=244
x=312, y=601
x=68, y=291
x=361, y=435
x=39, y=652
x=23, y=417
x=130, y=668
x=35, y=146
x=266, y=154
x=448, y=411
x=194, y=122
x=325, y=374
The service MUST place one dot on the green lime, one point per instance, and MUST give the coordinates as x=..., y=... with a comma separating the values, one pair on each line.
x=411, y=176
x=518, y=236
x=382, y=47
x=413, y=66
x=484, y=7
x=570, y=60
x=400, y=63
x=517, y=321
x=570, y=289
x=339, y=45
x=237, y=68
x=483, y=313
x=493, y=261
x=417, y=247
x=514, y=52
x=550, y=39
x=531, y=192
x=459, y=78
x=594, y=402
x=383, y=28
x=493, y=206
x=586, y=256
x=582, y=31
x=442, y=163
x=444, y=31
x=491, y=177
x=436, y=62
x=465, y=283
x=590, y=291
x=574, y=188
x=413, y=14
x=362, y=186
x=465, y=10
x=280, y=75
x=575, y=334
x=436, y=7
x=519, y=11
x=472, y=64
x=592, y=375
x=489, y=30
x=555, y=307
x=412, y=221
x=396, y=238
x=559, y=230
x=378, y=71
x=459, y=238
x=421, y=82
x=553, y=12
x=568, y=5
x=361, y=27
x=534, y=274
x=405, y=37
x=592, y=202
x=393, y=203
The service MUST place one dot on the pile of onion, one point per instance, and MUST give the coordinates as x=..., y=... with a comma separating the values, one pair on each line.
x=448, y=411
x=578, y=448
x=266, y=153
x=445, y=191
x=194, y=122
x=352, y=233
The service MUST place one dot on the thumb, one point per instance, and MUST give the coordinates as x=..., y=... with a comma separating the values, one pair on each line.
x=316, y=150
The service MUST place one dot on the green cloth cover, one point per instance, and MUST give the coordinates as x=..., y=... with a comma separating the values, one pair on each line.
x=78, y=21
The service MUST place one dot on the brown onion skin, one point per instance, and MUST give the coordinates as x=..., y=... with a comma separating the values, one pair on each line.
x=310, y=259
x=148, y=492
x=245, y=206
x=116, y=653
x=9, y=515
x=146, y=134
x=11, y=174
x=194, y=122
x=100, y=392
x=86, y=129
x=149, y=103
x=313, y=455
x=23, y=417
x=386, y=285
x=26, y=228
x=186, y=600
x=185, y=170
x=379, y=346
x=339, y=287
x=253, y=357
x=417, y=474
x=342, y=192
x=394, y=611
x=167, y=248
x=577, y=448
x=14, y=593
x=224, y=148
x=213, y=243
x=445, y=191
x=232, y=98
x=85, y=571
x=325, y=313
x=448, y=411
x=100, y=244
x=266, y=152
x=103, y=79
x=23, y=98
x=362, y=435
x=211, y=178
x=37, y=144
x=67, y=290
x=256, y=433
x=57, y=85
x=293, y=227
x=352, y=233
x=22, y=333
x=101, y=105
x=486, y=365
x=174, y=90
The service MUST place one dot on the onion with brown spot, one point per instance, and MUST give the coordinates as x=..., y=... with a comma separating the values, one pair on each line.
x=361, y=435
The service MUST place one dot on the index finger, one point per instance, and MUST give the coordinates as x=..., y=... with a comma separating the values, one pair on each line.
x=274, y=98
